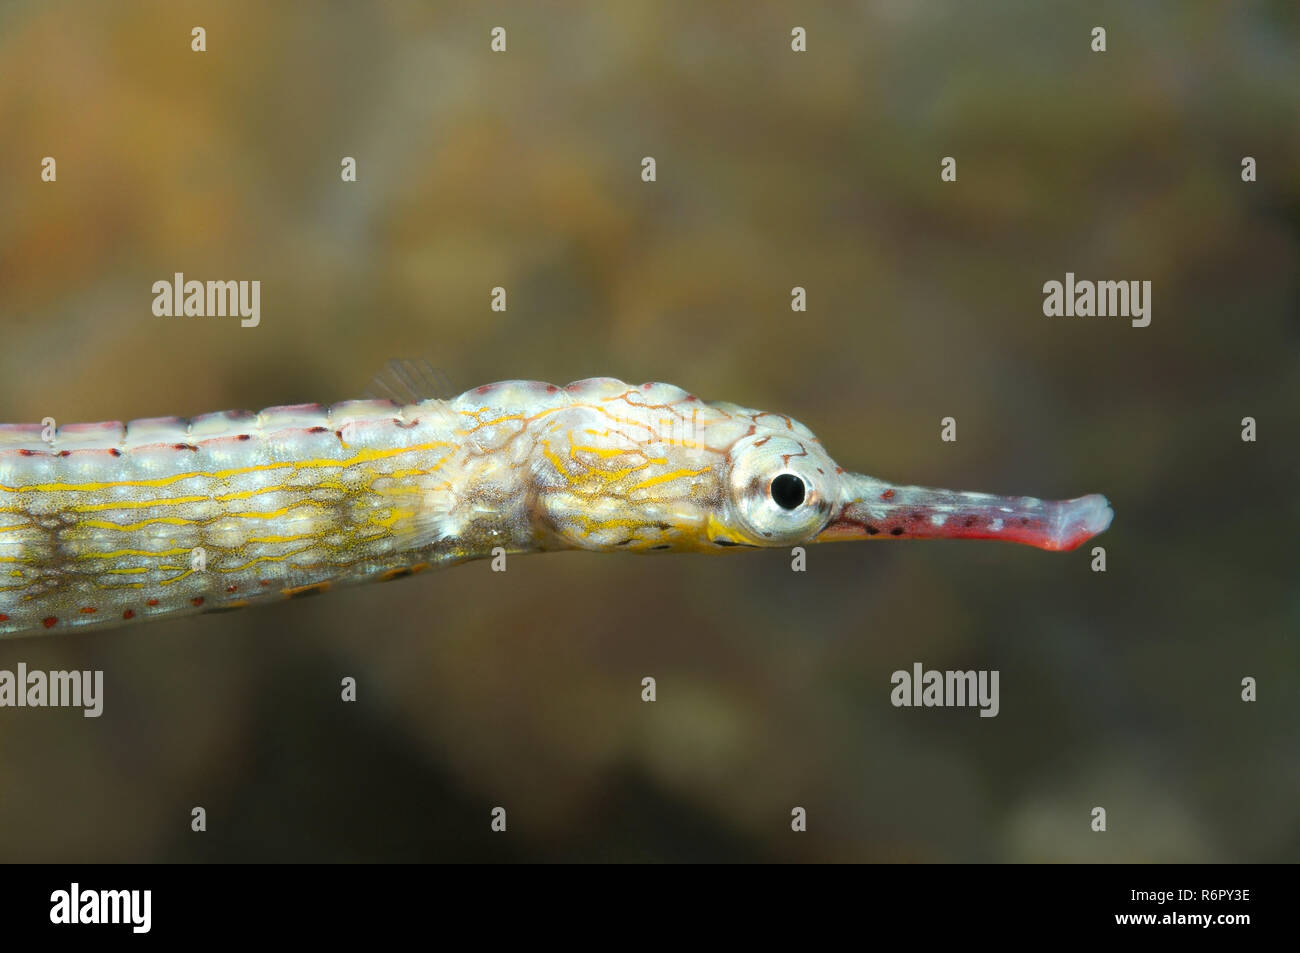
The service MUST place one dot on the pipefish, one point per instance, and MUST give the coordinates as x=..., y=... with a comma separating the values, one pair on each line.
x=104, y=523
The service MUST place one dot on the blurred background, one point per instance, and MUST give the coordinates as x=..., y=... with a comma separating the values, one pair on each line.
x=775, y=169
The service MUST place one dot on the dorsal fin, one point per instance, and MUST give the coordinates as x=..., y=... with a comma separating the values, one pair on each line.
x=408, y=382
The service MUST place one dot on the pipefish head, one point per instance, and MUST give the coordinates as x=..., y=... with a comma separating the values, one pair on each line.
x=680, y=475
x=739, y=478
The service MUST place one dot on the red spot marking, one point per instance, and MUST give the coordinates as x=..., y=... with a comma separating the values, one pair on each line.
x=197, y=600
x=483, y=390
x=3, y=617
x=89, y=610
x=50, y=621
x=128, y=614
x=887, y=495
x=551, y=388
x=232, y=588
x=339, y=434
x=691, y=397
x=65, y=453
x=243, y=436
x=184, y=446
x=839, y=469
x=317, y=430
x=27, y=453
x=645, y=386
x=152, y=602
x=266, y=582
x=115, y=452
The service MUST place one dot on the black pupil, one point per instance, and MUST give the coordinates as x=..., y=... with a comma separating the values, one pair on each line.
x=787, y=491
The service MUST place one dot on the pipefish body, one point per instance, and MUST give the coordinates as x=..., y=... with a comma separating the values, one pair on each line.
x=103, y=523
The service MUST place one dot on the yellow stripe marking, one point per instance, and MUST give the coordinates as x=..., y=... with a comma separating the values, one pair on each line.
x=363, y=457
x=666, y=477
x=134, y=552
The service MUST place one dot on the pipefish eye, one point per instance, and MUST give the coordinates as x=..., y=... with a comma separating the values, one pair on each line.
x=788, y=491
x=781, y=488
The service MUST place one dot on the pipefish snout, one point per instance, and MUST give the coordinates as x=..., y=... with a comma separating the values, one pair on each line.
x=103, y=523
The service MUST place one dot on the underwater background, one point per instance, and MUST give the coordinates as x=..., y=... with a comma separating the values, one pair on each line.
x=775, y=169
